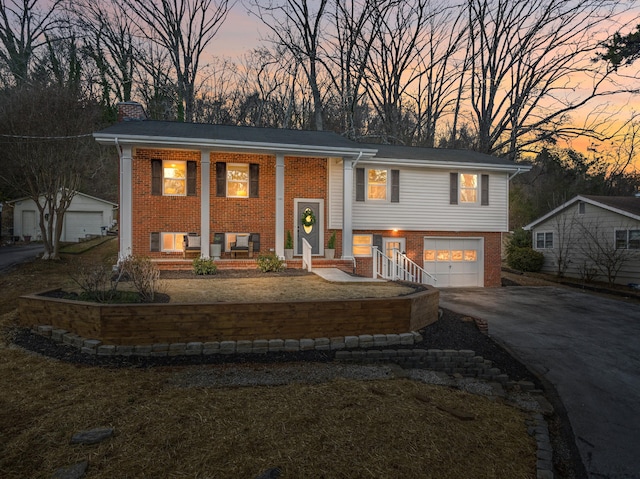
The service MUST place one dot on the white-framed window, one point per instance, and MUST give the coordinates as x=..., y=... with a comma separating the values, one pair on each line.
x=377, y=184
x=544, y=240
x=627, y=239
x=580, y=207
x=174, y=178
x=468, y=184
x=170, y=242
x=237, y=180
x=362, y=245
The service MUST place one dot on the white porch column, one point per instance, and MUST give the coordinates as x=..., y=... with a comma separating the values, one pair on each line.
x=280, y=205
x=126, y=208
x=205, y=202
x=347, y=208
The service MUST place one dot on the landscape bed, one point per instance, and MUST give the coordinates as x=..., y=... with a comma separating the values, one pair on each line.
x=137, y=324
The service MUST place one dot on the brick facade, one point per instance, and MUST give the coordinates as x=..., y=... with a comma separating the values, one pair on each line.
x=304, y=178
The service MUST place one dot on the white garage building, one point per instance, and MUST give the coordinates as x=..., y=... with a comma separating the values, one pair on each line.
x=86, y=215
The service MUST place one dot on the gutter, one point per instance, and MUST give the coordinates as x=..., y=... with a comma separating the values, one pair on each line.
x=515, y=174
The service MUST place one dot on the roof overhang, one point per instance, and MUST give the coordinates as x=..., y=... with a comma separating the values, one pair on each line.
x=590, y=201
x=231, y=145
x=458, y=165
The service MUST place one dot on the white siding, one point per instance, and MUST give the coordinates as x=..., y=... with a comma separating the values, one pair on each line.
x=424, y=204
x=568, y=228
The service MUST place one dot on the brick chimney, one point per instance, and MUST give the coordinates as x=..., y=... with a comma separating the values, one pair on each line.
x=130, y=110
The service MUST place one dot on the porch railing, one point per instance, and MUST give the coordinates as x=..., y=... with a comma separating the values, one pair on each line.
x=306, y=255
x=399, y=267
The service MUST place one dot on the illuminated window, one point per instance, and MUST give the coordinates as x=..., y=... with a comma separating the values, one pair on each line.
x=237, y=180
x=172, y=241
x=429, y=255
x=457, y=255
x=470, y=255
x=174, y=178
x=443, y=255
x=362, y=245
x=377, y=185
x=468, y=188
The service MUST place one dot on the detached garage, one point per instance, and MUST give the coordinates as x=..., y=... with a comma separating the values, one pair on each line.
x=455, y=262
x=86, y=215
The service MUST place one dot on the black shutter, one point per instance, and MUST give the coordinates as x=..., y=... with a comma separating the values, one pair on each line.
x=453, y=188
x=156, y=177
x=377, y=241
x=359, y=184
x=221, y=179
x=255, y=239
x=254, y=180
x=191, y=178
x=484, y=190
x=395, y=186
x=155, y=242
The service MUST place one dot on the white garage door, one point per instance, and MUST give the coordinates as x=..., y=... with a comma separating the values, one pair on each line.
x=78, y=224
x=455, y=262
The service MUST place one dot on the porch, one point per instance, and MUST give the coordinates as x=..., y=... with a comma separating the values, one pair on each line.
x=180, y=264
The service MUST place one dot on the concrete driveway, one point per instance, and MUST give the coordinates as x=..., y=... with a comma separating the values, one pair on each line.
x=588, y=347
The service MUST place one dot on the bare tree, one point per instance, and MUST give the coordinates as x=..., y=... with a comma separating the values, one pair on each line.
x=23, y=29
x=185, y=28
x=109, y=37
x=532, y=68
x=46, y=157
x=297, y=26
x=601, y=251
x=564, y=242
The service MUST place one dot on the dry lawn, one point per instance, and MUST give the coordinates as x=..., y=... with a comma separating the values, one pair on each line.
x=339, y=429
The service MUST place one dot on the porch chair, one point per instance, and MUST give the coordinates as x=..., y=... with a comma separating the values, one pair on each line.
x=190, y=244
x=242, y=245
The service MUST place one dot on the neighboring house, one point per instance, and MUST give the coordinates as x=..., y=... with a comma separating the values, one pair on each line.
x=445, y=208
x=591, y=237
x=86, y=215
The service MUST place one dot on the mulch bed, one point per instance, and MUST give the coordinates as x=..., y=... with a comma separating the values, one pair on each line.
x=451, y=331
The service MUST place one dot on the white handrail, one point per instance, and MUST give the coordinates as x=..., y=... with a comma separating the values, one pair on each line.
x=306, y=254
x=399, y=267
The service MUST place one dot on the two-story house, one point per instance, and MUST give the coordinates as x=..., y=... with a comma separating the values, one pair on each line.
x=446, y=209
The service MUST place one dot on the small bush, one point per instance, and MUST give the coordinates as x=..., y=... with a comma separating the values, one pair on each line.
x=270, y=262
x=525, y=259
x=144, y=275
x=202, y=266
x=331, y=244
x=97, y=282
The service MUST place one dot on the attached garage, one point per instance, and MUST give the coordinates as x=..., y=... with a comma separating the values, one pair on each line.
x=455, y=262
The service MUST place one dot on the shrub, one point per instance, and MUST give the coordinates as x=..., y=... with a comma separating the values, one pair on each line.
x=203, y=266
x=270, y=262
x=144, y=275
x=525, y=259
x=97, y=282
x=331, y=244
x=520, y=239
x=288, y=244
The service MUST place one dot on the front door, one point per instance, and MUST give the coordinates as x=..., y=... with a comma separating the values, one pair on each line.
x=308, y=225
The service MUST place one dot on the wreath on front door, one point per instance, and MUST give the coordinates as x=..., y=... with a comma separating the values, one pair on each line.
x=308, y=218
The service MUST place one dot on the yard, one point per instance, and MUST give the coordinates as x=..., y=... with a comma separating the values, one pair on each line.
x=169, y=423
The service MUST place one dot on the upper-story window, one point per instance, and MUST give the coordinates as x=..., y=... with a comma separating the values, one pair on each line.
x=377, y=185
x=174, y=178
x=238, y=180
x=468, y=188
x=374, y=184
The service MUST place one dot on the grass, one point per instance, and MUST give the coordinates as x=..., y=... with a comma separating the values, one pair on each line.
x=338, y=429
